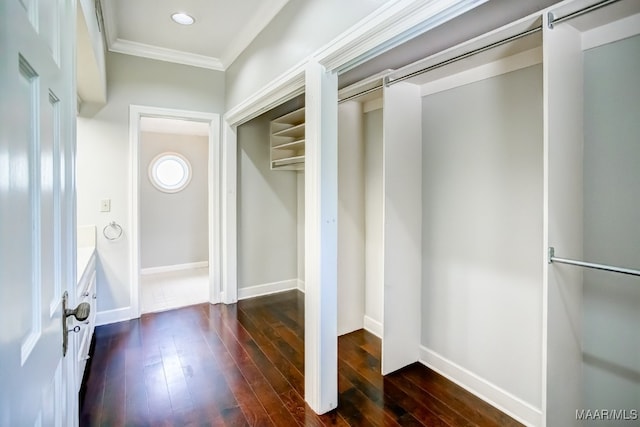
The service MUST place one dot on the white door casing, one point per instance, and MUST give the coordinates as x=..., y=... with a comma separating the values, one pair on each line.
x=136, y=112
x=37, y=210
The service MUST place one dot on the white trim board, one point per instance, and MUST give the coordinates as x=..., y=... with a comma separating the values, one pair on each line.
x=388, y=26
x=485, y=390
x=267, y=289
x=158, y=53
x=374, y=104
x=228, y=215
x=612, y=32
x=288, y=85
x=175, y=267
x=485, y=71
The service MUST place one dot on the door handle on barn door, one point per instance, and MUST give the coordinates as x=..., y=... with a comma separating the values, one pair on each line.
x=81, y=313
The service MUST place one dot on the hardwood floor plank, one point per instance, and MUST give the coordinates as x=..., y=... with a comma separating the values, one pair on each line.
x=293, y=376
x=268, y=326
x=243, y=364
x=280, y=379
x=136, y=405
x=417, y=397
x=371, y=411
x=363, y=369
x=231, y=359
x=254, y=376
x=157, y=392
x=234, y=417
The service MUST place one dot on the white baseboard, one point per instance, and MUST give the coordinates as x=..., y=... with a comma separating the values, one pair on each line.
x=485, y=390
x=267, y=288
x=373, y=326
x=301, y=285
x=171, y=268
x=114, y=316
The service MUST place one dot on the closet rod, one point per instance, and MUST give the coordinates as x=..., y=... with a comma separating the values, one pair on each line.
x=465, y=55
x=553, y=20
x=364, y=92
x=554, y=258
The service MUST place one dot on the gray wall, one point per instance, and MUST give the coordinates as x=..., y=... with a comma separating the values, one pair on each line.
x=174, y=226
x=611, y=342
x=301, y=27
x=267, y=211
x=103, y=159
x=482, y=229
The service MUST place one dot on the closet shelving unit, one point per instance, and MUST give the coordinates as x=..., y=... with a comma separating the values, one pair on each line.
x=287, y=141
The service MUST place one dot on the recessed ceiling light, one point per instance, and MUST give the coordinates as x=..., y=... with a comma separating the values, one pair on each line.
x=182, y=18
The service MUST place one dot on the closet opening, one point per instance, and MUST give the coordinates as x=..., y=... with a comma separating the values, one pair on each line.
x=174, y=209
x=482, y=211
x=461, y=213
x=271, y=206
x=270, y=201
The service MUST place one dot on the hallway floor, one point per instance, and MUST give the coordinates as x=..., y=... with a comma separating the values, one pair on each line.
x=243, y=364
x=166, y=291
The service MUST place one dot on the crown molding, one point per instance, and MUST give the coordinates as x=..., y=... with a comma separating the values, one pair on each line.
x=109, y=19
x=163, y=54
x=392, y=24
x=287, y=86
x=231, y=53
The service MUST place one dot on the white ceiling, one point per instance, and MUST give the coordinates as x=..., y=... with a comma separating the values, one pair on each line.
x=223, y=29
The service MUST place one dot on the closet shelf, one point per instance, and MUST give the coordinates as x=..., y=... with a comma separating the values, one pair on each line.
x=291, y=132
x=288, y=163
x=293, y=145
x=287, y=141
x=293, y=118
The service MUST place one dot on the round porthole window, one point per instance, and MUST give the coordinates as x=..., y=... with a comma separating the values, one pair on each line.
x=170, y=172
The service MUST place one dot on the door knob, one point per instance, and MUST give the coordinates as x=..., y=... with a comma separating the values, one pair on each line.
x=81, y=312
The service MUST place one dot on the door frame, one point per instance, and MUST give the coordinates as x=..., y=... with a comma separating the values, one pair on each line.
x=136, y=112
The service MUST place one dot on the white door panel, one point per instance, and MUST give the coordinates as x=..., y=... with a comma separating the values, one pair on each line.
x=37, y=244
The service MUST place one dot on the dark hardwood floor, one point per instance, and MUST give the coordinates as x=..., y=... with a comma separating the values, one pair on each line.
x=243, y=364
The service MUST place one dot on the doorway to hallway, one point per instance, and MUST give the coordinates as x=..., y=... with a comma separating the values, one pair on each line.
x=174, y=208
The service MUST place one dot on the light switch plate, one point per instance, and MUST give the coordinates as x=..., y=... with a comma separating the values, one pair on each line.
x=105, y=205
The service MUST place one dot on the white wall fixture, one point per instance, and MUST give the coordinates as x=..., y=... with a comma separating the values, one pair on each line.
x=170, y=172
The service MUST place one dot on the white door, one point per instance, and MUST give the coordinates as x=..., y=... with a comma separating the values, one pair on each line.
x=37, y=219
